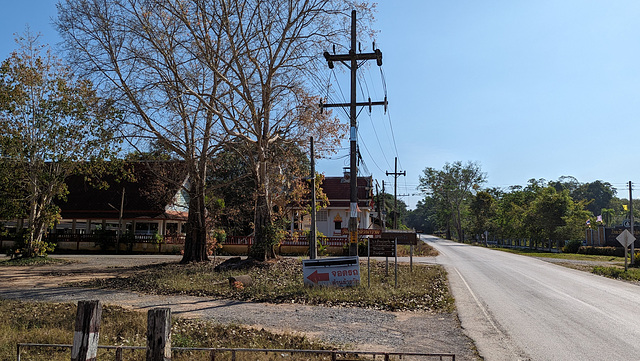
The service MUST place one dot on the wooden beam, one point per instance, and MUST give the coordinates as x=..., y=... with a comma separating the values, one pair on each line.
x=87, y=331
x=159, y=334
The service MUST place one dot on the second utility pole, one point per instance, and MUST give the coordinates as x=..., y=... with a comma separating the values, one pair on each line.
x=395, y=175
x=351, y=61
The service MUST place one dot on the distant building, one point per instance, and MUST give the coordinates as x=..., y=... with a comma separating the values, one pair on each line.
x=153, y=201
x=331, y=220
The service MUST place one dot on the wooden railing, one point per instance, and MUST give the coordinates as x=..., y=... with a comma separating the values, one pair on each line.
x=299, y=241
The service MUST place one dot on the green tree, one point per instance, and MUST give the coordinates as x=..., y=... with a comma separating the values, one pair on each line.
x=597, y=194
x=424, y=217
x=387, y=202
x=52, y=124
x=483, y=210
x=453, y=188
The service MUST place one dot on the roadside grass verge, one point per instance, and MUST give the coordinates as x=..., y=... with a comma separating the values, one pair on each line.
x=281, y=282
x=632, y=274
x=422, y=249
x=567, y=256
x=53, y=323
x=34, y=261
x=614, y=270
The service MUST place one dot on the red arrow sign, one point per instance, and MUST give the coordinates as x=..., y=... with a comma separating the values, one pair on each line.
x=316, y=277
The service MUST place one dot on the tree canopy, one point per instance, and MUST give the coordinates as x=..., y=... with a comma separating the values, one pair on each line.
x=195, y=75
x=52, y=124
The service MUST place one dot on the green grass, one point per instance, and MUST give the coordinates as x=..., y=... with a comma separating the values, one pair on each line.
x=632, y=274
x=33, y=261
x=567, y=256
x=615, y=270
x=278, y=282
x=53, y=323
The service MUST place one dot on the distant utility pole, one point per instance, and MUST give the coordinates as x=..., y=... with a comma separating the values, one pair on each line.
x=395, y=193
x=384, y=208
x=632, y=221
x=351, y=61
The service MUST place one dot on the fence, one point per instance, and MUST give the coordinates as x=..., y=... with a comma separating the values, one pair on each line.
x=85, y=344
x=171, y=243
x=238, y=354
x=526, y=243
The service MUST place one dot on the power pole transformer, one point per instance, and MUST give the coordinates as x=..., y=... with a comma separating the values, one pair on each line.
x=350, y=60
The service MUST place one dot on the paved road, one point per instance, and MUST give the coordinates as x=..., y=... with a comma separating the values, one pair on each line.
x=521, y=308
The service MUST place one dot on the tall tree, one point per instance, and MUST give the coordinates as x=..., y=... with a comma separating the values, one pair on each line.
x=193, y=73
x=453, y=186
x=424, y=217
x=483, y=209
x=597, y=194
x=52, y=124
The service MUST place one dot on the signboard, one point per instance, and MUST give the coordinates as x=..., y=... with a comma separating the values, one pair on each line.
x=335, y=271
x=611, y=235
x=404, y=237
x=363, y=231
x=382, y=247
x=625, y=238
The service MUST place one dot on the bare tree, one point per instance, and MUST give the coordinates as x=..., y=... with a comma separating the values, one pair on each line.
x=194, y=73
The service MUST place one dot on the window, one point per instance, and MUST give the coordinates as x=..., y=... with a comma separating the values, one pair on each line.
x=322, y=216
x=146, y=228
x=337, y=225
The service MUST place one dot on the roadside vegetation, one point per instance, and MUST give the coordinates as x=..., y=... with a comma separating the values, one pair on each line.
x=35, y=261
x=422, y=249
x=567, y=256
x=53, y=323
x=425, y=288
x=611, y=266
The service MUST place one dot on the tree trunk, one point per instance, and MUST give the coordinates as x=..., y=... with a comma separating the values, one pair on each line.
x=195, y=243
x=263, y=233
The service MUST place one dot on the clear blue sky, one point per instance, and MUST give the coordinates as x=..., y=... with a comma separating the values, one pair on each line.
x=529, y=89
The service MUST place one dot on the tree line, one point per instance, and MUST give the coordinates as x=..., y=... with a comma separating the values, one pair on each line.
x=457, y=204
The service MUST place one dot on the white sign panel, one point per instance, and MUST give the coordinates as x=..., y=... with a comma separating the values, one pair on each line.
x=338, y=272
x=626, y=238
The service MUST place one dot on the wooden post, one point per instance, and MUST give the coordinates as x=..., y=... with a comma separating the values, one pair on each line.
x=87, y=331
x=159, y=334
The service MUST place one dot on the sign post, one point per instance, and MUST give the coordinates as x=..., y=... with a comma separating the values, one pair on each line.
x=384, y=247
x=625, y=238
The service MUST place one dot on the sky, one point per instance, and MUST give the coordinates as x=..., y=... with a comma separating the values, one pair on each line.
x=527, y=89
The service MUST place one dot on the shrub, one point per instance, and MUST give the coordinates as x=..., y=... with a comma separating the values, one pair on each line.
x=572, y=246
x=602, y=251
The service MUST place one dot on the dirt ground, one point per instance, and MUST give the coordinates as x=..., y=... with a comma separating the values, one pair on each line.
x=354, y=328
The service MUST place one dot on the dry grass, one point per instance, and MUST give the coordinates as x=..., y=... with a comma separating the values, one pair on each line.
x=420, y=250
x=53, y=323
x=424, y=289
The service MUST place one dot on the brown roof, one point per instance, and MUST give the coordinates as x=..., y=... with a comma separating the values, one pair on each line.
x=154, y=187
x=338, y=191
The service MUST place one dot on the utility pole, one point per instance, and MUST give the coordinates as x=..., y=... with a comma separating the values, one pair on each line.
x=384, y=208
x=313, y=250
x=351, y=61
x=631, y=219
x=395, y=193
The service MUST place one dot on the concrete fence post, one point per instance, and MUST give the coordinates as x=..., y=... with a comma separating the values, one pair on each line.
x=87, y=331
x=159, y=334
